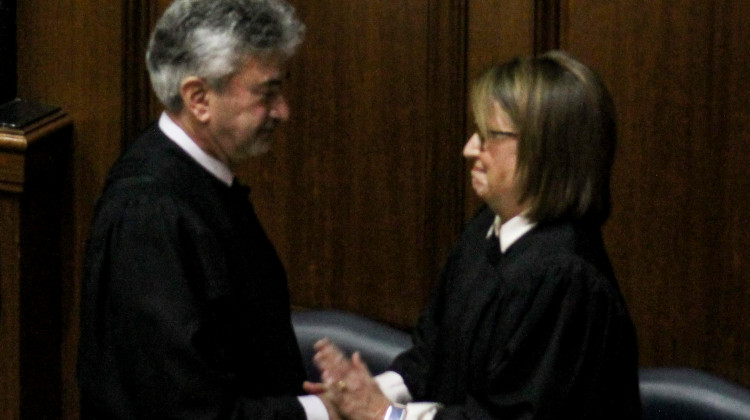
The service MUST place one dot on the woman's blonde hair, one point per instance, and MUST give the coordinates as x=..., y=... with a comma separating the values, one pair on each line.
x=565, y=121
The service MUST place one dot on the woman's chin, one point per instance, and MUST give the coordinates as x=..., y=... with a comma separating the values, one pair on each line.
x=480, y=188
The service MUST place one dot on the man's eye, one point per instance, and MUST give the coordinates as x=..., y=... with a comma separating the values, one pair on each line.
x=270, y=96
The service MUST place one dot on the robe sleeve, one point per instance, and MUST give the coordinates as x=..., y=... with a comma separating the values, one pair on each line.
x=550, y=349
x=153, y=345
x=414, y=364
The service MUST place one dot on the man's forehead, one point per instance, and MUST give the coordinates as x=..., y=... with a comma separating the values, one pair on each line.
x=264, y=71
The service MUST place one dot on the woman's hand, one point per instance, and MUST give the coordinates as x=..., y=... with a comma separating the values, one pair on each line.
x=347, y=384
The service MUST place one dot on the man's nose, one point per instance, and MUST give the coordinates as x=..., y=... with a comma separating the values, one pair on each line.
x=280, y=109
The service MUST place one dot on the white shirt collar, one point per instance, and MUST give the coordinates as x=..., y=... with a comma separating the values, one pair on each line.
x=214, y=166
x=509, y=232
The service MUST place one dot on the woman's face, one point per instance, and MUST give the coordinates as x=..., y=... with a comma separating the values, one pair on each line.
x=493, y=175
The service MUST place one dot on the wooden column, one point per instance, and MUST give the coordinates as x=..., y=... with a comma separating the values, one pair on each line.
x=34, y=207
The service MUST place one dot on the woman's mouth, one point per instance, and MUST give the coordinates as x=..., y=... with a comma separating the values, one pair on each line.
x=477, y=169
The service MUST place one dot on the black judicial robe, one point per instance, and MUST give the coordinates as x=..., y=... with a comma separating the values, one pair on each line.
x=185, y=306
x=540, y=332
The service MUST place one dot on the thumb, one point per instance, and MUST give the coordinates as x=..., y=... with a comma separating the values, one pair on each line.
x=314, y=388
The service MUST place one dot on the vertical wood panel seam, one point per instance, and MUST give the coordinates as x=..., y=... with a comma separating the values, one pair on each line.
x=546, y=25
x=137, y=103
x=447, y=40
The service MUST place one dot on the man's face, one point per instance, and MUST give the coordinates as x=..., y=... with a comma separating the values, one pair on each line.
x=245, y=112
x=493, y=175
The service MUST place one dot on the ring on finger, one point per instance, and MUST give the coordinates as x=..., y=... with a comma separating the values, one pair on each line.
x=341, y=385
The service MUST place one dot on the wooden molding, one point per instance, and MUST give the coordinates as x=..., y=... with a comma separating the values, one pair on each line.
x=22, y=123
x=34, y=206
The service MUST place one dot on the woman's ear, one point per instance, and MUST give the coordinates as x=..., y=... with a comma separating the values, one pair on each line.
x=194, y=91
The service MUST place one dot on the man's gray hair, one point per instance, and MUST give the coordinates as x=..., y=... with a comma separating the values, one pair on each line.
x=211, y=39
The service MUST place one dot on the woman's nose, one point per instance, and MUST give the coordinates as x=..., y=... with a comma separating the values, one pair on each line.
x=473, y=147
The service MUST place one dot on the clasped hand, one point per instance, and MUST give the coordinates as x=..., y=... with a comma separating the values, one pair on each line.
x=348, y=390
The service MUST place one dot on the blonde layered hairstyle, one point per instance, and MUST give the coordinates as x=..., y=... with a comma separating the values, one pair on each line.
x=565, y=121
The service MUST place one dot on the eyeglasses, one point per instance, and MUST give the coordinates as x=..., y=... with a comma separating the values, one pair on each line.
x=495, y=135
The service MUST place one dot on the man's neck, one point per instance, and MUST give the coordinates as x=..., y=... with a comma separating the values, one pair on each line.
x=177, y=133
x=198, y=132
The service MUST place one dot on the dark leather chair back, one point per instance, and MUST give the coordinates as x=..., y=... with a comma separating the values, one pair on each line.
x=690, y=394
x=377, y=343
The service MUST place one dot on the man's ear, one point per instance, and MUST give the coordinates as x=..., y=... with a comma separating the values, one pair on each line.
x=194, y=91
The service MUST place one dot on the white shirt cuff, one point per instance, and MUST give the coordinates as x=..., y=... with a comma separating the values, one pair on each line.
x=421, y=411
x=393, y=386
x=314, y=407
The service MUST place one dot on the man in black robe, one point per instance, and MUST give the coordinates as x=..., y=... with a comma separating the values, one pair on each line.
x=185, y=306
x=527, y=320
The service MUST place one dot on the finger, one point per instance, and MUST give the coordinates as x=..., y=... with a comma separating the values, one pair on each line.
x=335, y=364
x=334, y=374
x=329, y=346
x=325, y=345
x=325, y=355
x=327, y=350
x=328, y=377
x=321, y=343
x=331, y=358
x=314, y=387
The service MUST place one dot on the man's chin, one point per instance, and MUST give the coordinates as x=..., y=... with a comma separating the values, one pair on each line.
x=256, y=149
x=260, y=148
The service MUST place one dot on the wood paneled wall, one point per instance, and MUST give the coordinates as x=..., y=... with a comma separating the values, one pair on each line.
x=360, y=193
x=679, y=235
x=70, y=55
x=365, y=190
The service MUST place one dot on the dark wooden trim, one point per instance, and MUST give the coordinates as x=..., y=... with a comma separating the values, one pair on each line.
x=446, y=127
x=547, y=14
x=139, y=104
x=35, y=199
x=8, y=51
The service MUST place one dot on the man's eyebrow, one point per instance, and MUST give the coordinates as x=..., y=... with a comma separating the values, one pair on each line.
x=272, y=83
x=275, y=81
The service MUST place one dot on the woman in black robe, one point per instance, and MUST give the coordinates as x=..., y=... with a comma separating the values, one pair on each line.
x=527, y=321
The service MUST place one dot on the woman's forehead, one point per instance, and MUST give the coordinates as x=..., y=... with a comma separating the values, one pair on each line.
x=494, y=115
